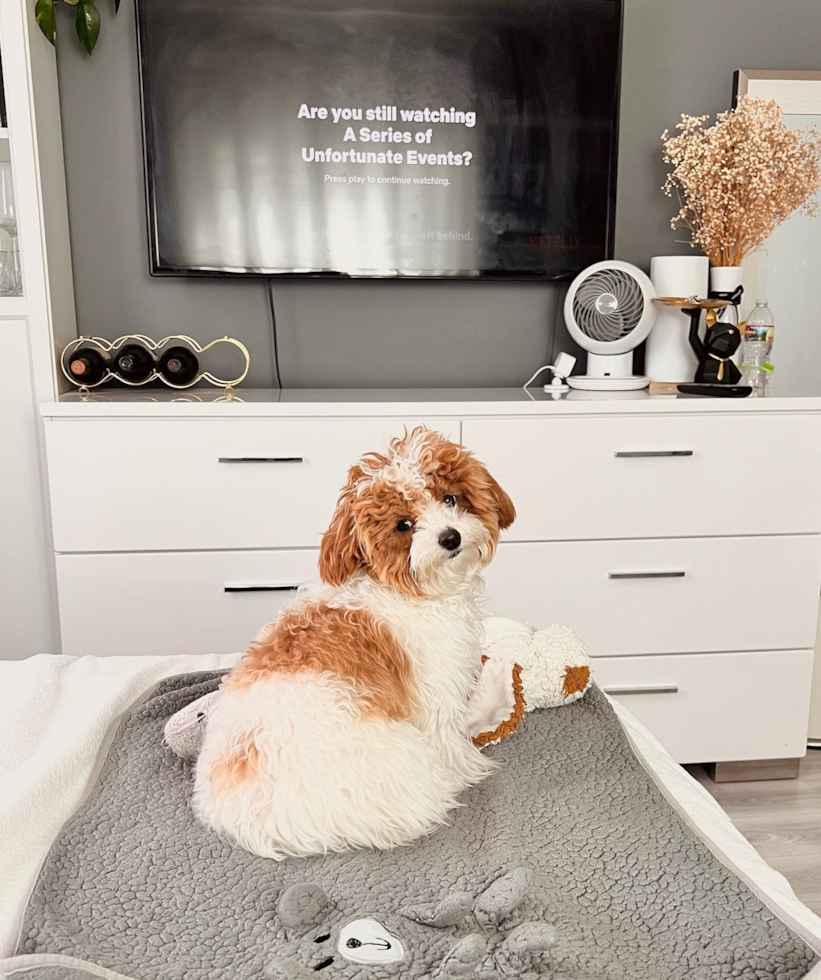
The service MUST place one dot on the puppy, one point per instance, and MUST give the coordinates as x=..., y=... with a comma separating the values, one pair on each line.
x=346, y=723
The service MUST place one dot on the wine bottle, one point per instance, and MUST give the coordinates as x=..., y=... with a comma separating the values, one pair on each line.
x=179, y=366
x=134, y=363
x=87, y=366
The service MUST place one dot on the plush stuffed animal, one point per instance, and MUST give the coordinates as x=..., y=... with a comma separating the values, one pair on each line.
x=183, y=731
x=492, y=935
x=523, y=668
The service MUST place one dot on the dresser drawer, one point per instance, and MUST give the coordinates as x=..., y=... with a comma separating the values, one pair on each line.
x=672, y=595
x=185, y=602
x=717, y=707
x=657, y=476
x=164, y=484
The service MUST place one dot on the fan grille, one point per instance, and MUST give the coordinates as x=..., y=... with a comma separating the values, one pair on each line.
x=608, y=305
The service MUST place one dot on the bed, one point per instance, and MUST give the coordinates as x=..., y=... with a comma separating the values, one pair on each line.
x=53, y=756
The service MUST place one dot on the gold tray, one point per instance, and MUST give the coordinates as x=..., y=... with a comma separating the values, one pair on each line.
x=691, y=302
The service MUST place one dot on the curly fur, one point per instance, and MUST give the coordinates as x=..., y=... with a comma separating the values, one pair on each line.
x=345, y=724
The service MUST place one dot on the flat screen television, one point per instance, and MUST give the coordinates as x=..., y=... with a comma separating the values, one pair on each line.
x=380, y=138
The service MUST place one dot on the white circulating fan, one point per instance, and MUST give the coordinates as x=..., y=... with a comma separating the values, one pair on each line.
x=609, y=312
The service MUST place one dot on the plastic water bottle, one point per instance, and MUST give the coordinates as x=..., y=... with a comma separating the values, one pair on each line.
x=759, y=334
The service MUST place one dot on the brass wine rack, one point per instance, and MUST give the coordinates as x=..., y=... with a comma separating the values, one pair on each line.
x=153, y=346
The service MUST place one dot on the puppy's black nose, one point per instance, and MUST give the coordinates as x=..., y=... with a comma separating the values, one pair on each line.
x=450, y=538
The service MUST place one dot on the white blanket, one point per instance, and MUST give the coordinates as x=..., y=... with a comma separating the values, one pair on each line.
x=55, y=715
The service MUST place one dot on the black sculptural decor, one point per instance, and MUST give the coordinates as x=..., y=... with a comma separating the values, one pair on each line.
x=720, y=342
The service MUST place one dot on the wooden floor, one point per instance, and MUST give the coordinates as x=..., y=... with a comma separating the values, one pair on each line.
x=781, y=818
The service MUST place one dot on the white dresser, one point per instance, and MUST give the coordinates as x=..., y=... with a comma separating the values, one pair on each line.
x=680, y=538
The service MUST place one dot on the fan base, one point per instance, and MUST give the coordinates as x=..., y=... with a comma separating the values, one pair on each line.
x=586, y=382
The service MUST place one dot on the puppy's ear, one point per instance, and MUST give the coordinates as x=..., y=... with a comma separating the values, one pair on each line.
x=339, y=554
x=504, y=505
x=492, y=495
x=487, y=498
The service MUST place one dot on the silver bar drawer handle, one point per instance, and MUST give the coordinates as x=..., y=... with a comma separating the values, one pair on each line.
x=261, y=459
x=661, y=573
x=260, y=588
x=644, y=689
x=641, y=453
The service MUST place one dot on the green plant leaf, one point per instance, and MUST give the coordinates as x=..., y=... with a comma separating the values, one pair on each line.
x=88, y=24
x=46, y=17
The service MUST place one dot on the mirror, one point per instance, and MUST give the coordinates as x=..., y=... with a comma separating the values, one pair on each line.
x=787, y=269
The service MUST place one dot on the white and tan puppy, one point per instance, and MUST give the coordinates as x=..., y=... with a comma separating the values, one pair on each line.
x=346, y=722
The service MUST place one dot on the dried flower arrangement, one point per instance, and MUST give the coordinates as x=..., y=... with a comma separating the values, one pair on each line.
x=737, y=180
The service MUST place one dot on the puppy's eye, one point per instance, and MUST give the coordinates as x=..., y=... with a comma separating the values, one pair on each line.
x=449, y=499
x=404, y=525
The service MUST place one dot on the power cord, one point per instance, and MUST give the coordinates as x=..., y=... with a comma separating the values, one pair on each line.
x=561, y=369
x=275, y=342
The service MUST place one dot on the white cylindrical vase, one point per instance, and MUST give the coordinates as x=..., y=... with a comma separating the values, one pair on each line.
x=669, y=355
x=725, y=278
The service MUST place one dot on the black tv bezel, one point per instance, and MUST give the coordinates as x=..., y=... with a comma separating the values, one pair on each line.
x=156, y=269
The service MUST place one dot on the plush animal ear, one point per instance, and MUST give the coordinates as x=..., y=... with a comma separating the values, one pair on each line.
x=340, y=555
x=503, y=896
x=450, y=911
x=302, y=905
x=279, y=969
x=522, y=947
x=463, y=958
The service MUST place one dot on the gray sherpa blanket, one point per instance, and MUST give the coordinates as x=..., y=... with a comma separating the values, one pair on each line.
x=568, y=862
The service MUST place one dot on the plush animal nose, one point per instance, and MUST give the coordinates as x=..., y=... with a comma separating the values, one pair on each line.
x=450, y=538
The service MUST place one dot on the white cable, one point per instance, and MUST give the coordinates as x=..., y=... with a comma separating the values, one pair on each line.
x=545, y=367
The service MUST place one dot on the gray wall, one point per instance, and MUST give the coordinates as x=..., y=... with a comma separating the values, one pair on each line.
x=679, y=56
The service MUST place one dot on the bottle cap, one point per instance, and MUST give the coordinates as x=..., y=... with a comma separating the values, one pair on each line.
x=761, y=302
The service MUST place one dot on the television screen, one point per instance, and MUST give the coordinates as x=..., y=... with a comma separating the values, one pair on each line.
x=399, y=138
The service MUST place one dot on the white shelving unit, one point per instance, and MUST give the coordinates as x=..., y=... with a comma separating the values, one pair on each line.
x=32, y=327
